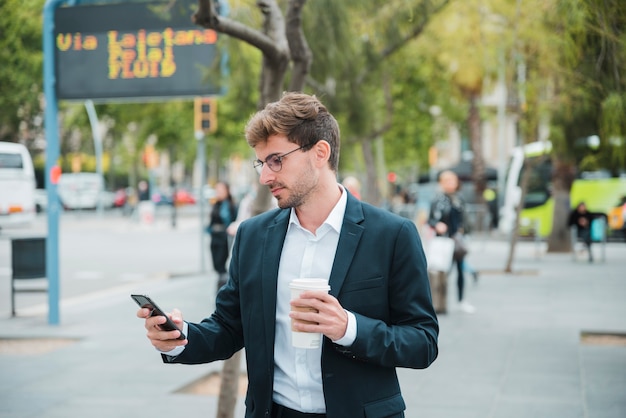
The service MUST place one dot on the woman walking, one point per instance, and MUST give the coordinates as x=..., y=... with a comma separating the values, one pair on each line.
x=223, y=213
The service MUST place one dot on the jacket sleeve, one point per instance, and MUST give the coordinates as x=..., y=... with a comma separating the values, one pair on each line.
x=397, y=326
x=436, y=212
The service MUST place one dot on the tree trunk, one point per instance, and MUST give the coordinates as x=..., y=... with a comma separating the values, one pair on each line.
x=508, y=268
x=478, y=164
x=229, y=387
x=372, y=192
x=562, y=179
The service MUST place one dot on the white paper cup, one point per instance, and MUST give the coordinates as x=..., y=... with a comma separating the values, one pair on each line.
x=297, y=286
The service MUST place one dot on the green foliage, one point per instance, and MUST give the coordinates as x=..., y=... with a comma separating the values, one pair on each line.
x=574, y=52
x=362, y=61
x=593, y=80
x=613, y=129
x=22, y=64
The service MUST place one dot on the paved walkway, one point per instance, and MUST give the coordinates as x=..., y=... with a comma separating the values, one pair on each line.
x=519, y=355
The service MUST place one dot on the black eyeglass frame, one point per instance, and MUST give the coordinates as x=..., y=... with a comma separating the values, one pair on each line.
x=277, y=159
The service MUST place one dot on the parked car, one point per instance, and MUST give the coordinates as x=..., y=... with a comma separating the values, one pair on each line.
x=120, y=198
x=83, y=191
x=158, y=197
x=184, y=197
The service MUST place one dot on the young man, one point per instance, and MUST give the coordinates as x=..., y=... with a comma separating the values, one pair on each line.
x=377, y=316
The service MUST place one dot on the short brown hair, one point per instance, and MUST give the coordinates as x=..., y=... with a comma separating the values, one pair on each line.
x=302, y=118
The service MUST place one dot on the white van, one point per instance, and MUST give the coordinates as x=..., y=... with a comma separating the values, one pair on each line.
x=17, y=185
x=83, y=191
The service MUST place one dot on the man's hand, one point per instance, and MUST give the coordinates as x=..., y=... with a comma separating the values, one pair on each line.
x=162, y=340
x=319, y=312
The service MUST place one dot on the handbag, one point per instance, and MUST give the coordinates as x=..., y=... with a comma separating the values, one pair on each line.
x=460, y=247
x=597, y=228
x=439, y=253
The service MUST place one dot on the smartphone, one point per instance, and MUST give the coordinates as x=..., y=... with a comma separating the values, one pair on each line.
x=146, y=302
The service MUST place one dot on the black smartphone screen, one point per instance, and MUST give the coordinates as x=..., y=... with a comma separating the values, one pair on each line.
x=145, y=302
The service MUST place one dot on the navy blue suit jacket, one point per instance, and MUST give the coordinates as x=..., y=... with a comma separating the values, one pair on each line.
x=379, y=273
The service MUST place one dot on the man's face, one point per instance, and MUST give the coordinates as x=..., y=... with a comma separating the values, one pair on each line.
x=297, y=178
x=449, y=183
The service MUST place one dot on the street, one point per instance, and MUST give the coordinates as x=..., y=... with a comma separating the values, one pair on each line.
x=103, y=251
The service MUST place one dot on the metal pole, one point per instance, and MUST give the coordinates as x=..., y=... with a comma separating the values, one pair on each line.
x=97, y=145
x=52, y=156
x=201, y=160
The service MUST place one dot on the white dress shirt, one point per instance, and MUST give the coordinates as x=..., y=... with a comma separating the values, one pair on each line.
x=297, y=372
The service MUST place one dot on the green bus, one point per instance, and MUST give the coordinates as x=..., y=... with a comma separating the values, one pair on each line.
x=601, y=192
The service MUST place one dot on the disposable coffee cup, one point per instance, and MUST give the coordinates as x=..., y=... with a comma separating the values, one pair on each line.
x=297, y=286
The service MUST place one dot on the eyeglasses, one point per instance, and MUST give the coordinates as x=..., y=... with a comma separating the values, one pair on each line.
x=273, y=161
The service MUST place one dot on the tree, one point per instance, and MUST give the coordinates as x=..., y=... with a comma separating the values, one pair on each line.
x=468, y=42
x=590, y=96
x=21, y=73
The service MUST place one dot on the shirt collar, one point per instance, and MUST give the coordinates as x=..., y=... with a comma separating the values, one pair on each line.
x=335, y=218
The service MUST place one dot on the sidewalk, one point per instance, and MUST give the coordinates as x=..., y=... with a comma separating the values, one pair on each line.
x=519, y=355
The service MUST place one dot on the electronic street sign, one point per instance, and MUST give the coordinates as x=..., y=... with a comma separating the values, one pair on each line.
x=132, y=51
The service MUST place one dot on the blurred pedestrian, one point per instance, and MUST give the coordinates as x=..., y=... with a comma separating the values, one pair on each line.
x=468, y=268
x=245, y=210
x=224, y=212
x=143, y=191
x=377, y=316
x=491, y=200
x=145, y=207
x=581, y=218
x=446, y=217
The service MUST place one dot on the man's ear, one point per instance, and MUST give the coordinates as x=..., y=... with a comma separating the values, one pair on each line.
x=321, y=151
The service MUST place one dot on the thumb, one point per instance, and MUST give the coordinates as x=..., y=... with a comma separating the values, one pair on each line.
x=177, y=316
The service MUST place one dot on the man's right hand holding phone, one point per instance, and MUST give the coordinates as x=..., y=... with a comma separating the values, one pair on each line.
x=163, y=341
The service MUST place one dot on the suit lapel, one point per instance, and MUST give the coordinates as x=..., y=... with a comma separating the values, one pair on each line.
x=351, y=232
x=272, y=248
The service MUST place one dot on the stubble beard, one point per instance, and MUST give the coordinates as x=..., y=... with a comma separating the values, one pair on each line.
x=299, y=192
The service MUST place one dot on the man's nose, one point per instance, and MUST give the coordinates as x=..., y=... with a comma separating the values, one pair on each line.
x=266, y=176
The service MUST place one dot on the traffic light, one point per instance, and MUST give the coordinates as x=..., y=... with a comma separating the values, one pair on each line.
x=205, y=114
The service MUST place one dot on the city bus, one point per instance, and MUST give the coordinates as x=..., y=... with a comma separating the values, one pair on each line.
x=17, y=185
x=601, y=192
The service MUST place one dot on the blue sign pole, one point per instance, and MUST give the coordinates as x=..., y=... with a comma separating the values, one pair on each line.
x=52, y=157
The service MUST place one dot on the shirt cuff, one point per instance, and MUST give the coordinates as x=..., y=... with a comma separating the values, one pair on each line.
x=176, y=351
x=350, y=334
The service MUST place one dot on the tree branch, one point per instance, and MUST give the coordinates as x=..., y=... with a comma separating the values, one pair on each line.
x=392, y=48
x=207, y=17
x=301, y=55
